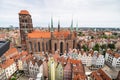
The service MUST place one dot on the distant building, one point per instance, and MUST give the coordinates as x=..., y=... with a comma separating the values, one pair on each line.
x=45, y=41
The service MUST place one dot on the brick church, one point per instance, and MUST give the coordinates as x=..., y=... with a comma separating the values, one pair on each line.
x=37, y=41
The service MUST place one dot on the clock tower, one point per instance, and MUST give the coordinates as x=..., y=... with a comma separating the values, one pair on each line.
x=26, y=26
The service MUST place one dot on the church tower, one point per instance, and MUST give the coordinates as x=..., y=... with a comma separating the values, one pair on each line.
x=26, y=26
x=58, y=26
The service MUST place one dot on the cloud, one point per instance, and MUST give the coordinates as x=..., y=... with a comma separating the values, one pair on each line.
x=86, y=12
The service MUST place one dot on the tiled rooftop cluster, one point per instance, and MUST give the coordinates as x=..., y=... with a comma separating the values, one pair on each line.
x=100, y=75
x=70, y=68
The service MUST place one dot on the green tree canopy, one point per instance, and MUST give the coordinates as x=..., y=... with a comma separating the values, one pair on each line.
x=104, y=46
x=85, y=48
x=13, y=78
x=111, y=46
x=96, y=47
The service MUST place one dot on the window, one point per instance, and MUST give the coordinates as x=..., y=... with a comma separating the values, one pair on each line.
x=73, y=44
x=39, y=46
x=42, y=46
x=61, y=47
x=67, y=47
x=22, y=20
x=30, y=44
x=55, y=46
x=35, y=46
x=26, y=20
x=46, y=45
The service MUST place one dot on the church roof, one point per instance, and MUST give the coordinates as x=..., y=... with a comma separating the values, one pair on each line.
x=39, y=34
x=47, y=34
x=63, y=33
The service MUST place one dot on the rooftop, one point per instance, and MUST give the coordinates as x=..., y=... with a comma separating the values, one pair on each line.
x=24, y=12
x=39, y=34
x=7, y=63
x=10, y=52
x=47, y=34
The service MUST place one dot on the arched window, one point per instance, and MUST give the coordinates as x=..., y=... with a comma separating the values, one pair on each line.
x=30, y=44
x=50, y=44
x=55, y=47
x=46, y=45
x=26, y=20
x=39, y=46
x=61, y=47
x=67, y=47
x=35, y=46
x=78, y=46
x=73, y=44
x=42, y=46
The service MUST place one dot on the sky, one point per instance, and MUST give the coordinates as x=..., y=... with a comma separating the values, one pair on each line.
x=87, y=13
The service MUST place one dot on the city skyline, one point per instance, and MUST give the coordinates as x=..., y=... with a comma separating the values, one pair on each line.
x=87, y=13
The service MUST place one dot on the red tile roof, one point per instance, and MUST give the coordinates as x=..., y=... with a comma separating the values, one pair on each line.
x=27, y=57
x=100, y=75
x=39, y=34
x=96, y=76
x=116, y=55
x=79, y=77
x=24, y=53
x=10, y=51
x=24, y=12
x=7, y=63
x=61, y=33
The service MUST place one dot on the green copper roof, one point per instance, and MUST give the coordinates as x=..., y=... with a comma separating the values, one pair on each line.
x=71, y=27
x=51, y=24
x=77, y=26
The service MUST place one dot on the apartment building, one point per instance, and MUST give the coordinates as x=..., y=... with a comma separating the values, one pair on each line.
x=10, y=67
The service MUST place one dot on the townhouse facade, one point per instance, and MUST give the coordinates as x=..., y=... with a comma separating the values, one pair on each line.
x=59, y=72
x=89, y=59
x=51, y=68
x=112, y=59
x=2, y=74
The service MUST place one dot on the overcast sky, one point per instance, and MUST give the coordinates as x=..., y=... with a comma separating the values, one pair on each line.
x=96, y=13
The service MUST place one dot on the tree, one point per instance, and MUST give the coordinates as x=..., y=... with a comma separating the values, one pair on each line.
x=85, y=48
x=13, y=78
x=92, y=37
x=104, y=46
x=80, y=34
x=111, y=46
x=96, y=47
x=104, y=36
